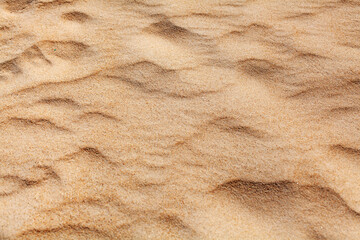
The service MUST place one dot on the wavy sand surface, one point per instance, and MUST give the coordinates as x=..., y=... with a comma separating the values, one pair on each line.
x=164, y=119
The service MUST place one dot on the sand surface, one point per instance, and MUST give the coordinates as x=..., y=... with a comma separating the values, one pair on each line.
x=187, y=119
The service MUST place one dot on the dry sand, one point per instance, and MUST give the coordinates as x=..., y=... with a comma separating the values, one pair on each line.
x=188, y=119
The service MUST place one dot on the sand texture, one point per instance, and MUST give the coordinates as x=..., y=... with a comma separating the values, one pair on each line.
x=180, y=119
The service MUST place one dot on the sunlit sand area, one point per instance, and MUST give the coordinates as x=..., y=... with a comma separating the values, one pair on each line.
x=188, y=119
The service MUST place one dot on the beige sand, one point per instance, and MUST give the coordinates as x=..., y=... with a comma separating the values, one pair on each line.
x=187, y=119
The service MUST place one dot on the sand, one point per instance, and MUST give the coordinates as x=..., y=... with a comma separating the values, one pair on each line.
x=164, y=119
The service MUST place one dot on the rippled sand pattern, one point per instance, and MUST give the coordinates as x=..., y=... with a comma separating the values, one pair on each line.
x=189, y=119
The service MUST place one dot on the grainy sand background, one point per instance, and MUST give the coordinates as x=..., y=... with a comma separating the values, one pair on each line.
x=164, y=119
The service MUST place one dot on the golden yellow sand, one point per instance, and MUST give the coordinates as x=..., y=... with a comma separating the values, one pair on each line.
x=188, y=119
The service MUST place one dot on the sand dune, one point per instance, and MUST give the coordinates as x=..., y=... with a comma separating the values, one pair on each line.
x=218, y=119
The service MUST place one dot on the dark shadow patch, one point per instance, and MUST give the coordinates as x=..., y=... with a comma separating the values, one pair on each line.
x=4, y=28
x=306, y=93
x=60, y=102
x=355, y=83
x=55, y=3
x=233, y=126
x=248, y=30
x=144, y=4
x=167, y=29
x=10, y=185
x=300, y=15
x=49, y=172
x=343, y=110
x=18, y=183
x=259, y=67
x=18, y=5
x=65, y=232
x=42, y=123
x=99, y=114
x=96, y=155
x=288, y=198
x=355, y=152
x=315, y=235
x=10, y=66
x=76, y=16
x=93, y=151
x=309, y=55
x=175, y=222
x=232, y=4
